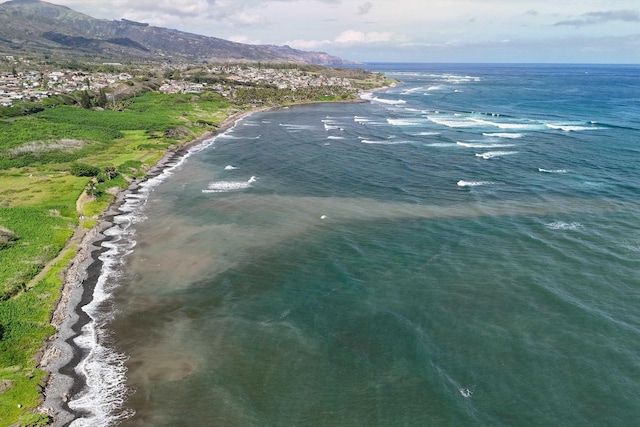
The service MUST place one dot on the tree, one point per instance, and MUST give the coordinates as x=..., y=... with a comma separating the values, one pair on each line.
x=110, y=172
x=101, y=100
x=85, y=100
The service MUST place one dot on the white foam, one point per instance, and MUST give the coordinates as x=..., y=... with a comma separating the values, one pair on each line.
x=454, y=121
x=367, y=96
x=560, y=225
x=335, y=137
x=441, y=144
x=426, y=133
x=227, y=186
x=465, y=392
x=101, y=401
x=359, y=119
x=491, y=154
x=105, y=374
x=482, y=145
x=385, y=141
x=504, y=125
x=552, y=170
x=389, y=101
x=412, y=90
x=292, y=127
x=504, y=135
x=230, y=168
x=463, y=183
x=570, y=128
x=404, y=122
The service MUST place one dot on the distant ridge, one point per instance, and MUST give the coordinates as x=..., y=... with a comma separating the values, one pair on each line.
x=38, y=27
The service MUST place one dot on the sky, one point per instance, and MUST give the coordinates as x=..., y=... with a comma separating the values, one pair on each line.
x=512, y=31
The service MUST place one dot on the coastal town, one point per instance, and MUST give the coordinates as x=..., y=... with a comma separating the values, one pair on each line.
x=35, y=85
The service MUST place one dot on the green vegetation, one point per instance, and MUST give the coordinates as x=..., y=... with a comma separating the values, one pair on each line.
x=48, y=159
x=24, y=325
x=40, y=234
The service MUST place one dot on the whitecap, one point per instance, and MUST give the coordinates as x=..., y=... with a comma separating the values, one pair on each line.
x=230, y=168
x=561, y=225
x=426, y=134
x=441, y=144
x=463, y=183
x=482, y=145
x=452, y=121
x=335, y=137
x=293, y=127
x=504, y=125
x=504, y=135
x=491, y=154
x=227, y=186
x=465, y=392
x=552, y=170
x=390, y=101
x=570, y=128
x=385, y=141
x=404, y=122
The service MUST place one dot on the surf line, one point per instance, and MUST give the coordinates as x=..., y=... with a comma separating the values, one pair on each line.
x=77, y=352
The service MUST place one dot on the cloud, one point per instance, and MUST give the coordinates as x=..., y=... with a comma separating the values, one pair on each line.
x=358, y=37
x=365, y=8
x=593, y=18
x=244, y=39
x=346, y=38
x=246, y=19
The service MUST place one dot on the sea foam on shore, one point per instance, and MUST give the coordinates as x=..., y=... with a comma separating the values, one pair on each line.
x=87, y=384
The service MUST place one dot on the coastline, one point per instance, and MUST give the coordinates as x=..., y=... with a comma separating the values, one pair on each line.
x=61, y=355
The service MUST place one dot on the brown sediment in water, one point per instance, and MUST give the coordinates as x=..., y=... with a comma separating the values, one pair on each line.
x=60, y=355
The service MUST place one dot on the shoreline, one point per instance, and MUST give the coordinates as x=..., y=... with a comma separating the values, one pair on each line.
x=60, y=355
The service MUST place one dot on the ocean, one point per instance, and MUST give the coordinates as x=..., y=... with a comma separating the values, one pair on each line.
x=461, y=250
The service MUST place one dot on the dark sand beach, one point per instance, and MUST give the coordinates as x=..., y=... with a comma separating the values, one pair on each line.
x=60, y=354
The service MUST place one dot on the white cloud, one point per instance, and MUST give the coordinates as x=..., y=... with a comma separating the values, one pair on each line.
x=358, y=37
x=246, y=19
x=346, y=38
x=244, y=39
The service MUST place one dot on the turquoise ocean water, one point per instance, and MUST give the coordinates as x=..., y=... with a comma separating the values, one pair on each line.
x=463, y=250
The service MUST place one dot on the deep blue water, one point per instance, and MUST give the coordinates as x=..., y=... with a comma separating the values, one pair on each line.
x=461, y=250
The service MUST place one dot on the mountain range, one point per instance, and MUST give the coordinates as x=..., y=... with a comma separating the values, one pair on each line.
x=33, y=27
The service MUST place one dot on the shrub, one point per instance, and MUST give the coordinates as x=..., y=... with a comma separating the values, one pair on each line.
x=81, y=169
